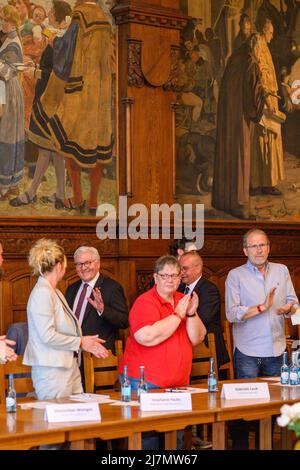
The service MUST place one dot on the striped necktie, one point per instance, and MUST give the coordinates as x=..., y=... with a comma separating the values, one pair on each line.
x=81, y=300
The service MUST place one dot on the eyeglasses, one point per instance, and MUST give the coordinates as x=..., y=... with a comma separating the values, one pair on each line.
x=173, y=277
x=260, y=246
x=86, y=264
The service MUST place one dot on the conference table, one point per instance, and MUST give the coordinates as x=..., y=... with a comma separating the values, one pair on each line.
x=28, y=428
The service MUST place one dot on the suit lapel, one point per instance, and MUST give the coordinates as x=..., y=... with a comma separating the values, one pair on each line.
x=67, y=309
x=71, y=294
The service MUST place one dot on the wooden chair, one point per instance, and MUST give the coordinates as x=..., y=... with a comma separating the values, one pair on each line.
x=228, y=342
x=199, y=373
x=101, y=374
x=201, y=360
x=22, y=378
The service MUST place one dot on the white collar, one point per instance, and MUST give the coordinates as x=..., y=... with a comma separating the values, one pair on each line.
x=92, y=282
x=192, y=286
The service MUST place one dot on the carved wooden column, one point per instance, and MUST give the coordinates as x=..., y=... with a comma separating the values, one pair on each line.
x=148, y=53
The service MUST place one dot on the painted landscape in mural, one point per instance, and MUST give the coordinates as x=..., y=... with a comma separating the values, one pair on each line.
x=57, y=107
x=238, y=119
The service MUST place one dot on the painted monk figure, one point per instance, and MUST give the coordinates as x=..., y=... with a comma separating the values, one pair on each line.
x=241, y=101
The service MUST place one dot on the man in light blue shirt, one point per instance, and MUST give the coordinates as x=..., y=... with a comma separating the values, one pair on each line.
x=258, y=295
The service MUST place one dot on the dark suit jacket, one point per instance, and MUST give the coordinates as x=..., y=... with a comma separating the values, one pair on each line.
x=209, y=310
x=115, y=313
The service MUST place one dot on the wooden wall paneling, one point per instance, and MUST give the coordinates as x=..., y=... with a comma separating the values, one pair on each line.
x=131, y=261
x=147, y=35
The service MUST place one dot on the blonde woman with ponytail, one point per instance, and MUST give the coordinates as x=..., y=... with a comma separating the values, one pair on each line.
x=55, y=338
x=12, y=105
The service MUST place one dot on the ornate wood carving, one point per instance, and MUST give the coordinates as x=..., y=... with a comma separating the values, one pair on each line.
x=135, y=74
x=146, y=14
x=151, y=20
x=143, y=279
x=161, y=69
x=172, y=82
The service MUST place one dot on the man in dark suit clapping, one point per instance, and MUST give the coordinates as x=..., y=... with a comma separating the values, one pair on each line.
x=209, y=309
x=97, y=301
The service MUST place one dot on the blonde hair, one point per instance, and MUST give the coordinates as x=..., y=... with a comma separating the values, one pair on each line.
x=11, y=14
x=45, y=255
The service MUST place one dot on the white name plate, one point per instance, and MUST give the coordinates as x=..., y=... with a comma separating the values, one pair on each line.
x=58, y=413
x=238, y=391
x=165, y=401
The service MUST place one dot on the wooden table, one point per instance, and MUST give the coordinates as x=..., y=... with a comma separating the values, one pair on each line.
x=28, y=428
x=227, y=410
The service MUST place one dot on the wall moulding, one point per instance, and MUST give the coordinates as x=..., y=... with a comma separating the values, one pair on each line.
x=142, y=13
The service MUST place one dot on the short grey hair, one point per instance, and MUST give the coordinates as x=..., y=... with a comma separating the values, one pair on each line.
x=164, y=261
x=250, y=232
x=87, y=249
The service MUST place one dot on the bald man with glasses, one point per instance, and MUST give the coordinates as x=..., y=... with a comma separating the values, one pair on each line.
x=258, y=295
x=97, y=301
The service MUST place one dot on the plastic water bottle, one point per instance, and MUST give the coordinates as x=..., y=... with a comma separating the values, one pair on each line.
x=294, y=370
x=142, y=385
x=125, y=386
x=11, y=398
x=212, y=378
x=285, y=370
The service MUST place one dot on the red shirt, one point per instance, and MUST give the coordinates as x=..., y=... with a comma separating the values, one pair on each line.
x=167, y=364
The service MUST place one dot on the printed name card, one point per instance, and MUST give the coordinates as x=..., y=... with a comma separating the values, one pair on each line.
x=165, y=402
x=58, y=413
x=245, y=391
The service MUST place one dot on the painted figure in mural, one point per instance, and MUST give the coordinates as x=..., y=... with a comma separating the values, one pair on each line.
x=12, y=119
x=80, y=86
x=33, y=43
x=244, y=32
x=241, y=100
x=58, y=23
x=267, y=10
x=267, y=167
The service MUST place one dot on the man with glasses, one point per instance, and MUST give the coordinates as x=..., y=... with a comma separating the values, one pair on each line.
x=258, y=295
x=97, y=301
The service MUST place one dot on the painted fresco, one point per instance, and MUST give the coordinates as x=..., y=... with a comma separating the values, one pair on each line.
x=238, y=122
x=57, y=107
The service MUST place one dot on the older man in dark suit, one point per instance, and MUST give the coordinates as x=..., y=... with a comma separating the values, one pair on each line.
x=97, y=301
x=209, y=309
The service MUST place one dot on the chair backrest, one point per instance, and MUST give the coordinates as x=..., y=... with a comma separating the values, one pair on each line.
x=228, y=342
x=201, y=360
x=101, y=374
x=18, y=332
x=22, y=378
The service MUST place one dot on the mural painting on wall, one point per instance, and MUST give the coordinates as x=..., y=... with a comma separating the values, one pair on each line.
x=238, y=113
x=57, y=107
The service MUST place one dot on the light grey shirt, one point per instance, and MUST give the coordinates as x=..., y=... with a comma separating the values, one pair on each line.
x=264, y=334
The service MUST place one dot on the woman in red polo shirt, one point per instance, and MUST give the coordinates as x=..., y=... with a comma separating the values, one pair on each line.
x=164, y=326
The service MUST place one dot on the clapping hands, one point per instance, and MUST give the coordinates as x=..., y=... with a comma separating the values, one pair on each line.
x=93, y=344
x=97, y=301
